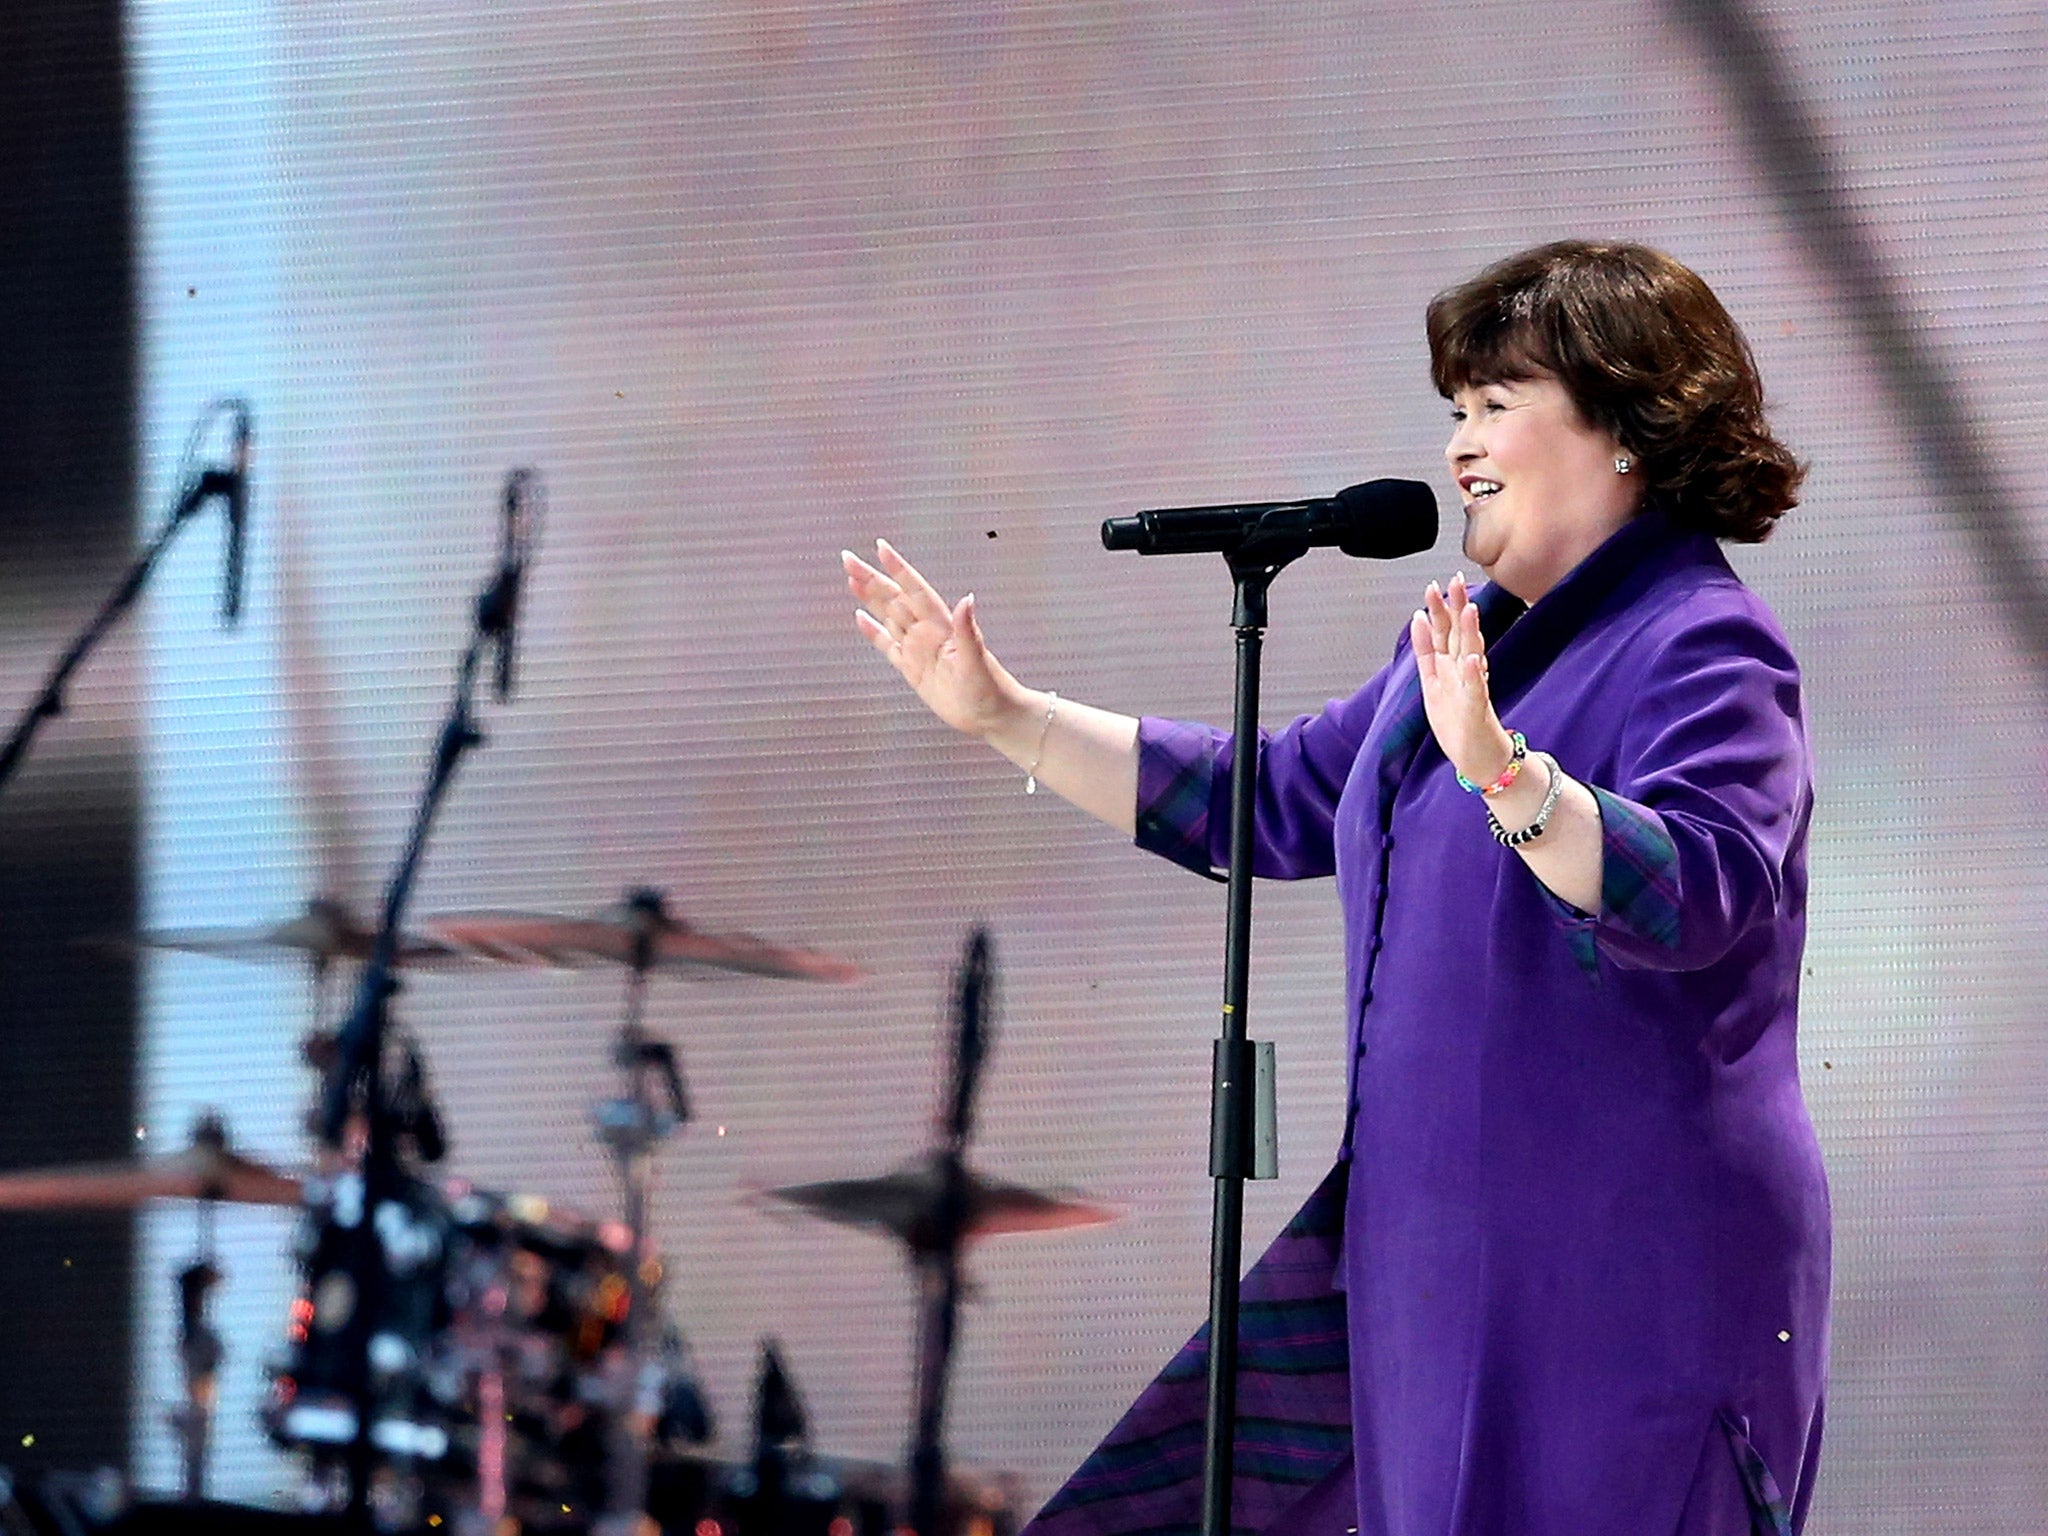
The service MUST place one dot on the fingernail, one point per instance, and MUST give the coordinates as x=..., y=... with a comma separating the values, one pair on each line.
x=1459, y=578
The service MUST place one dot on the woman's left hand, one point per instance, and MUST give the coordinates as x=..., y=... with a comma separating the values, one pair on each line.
x=1450, y=660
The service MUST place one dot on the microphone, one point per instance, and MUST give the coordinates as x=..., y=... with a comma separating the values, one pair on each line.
x=234, y=487
x=502, y=615
x=1379, y=520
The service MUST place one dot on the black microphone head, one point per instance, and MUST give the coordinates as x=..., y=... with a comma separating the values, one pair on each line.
x=1386, y=519
x=238, y=515
x=1122, y=532
x=521, y=514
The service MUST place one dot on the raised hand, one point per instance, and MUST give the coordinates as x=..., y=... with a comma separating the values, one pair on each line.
x=938, y=649
x=1450, y=660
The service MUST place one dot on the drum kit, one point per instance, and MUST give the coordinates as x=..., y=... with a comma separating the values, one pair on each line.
x=491, y=1362
x=521, y=1365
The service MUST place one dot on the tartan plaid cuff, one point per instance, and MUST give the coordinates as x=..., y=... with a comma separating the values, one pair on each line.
x=1176, y=781
x=1638, y=872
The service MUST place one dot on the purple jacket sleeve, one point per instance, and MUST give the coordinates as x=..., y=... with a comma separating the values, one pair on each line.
x=1711, y=797
x=1184, y=787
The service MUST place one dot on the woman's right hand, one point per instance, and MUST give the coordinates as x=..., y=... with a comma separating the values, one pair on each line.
x=1087, y=756
x=938, y=649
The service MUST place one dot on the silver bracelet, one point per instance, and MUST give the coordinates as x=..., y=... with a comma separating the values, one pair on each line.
x=1534, y=830
x=1052, y=702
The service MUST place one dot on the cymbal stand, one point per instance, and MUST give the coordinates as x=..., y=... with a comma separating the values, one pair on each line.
x=653, y=1105
x=199, y=1351
x=939, y=1285
x=936, y=1245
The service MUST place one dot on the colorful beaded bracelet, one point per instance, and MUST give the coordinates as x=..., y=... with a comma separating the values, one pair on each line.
x=1534, y=830
x=1517, y=755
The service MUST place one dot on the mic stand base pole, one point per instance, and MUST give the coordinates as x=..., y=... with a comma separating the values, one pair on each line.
x=1253, y=565
x=359, y=1071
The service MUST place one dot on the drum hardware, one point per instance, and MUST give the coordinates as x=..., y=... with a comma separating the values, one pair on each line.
x=501, y=1339
x=69, y=1503
x=787, y=1489
x=357, y=1087
x=640, y=934
x=207, y=1170
x=385, y=1299
x=783, y=1490
x=781, y=1472
x=902, y=1204
x=653, y=1104
x=199, y=1345
x=327, y=931
x=467, y=1340
x=939, y=1239
x=934, y=1209
x=199, y=1353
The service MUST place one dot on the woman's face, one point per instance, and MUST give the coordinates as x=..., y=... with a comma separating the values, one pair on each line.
x=1538, y=482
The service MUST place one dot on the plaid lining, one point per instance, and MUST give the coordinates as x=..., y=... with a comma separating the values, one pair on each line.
x=1293, y=1424
x=1176, y=779
x=1769, y=1514
x=1639, y=870
x=1406, y=726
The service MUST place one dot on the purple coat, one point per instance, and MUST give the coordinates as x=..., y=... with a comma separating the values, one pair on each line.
x=1570, y=1276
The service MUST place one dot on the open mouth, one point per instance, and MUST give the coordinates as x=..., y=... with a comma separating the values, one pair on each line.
x=1481, y=490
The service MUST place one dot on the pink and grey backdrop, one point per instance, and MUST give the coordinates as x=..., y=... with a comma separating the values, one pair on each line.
x=750, y=282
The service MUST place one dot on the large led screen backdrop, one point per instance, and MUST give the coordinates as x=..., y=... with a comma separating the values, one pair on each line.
x=750, y=282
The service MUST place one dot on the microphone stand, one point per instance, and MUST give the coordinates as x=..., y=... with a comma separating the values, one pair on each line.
x=1234, y=1110
x=358, y=1078
x=201, y=489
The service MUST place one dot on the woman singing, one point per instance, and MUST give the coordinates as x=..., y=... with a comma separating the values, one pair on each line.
x=1570, y=1277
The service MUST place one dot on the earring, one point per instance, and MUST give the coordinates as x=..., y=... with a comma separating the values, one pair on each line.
x=1624, y=464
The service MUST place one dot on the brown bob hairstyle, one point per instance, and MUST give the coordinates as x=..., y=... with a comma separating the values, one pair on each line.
x=1647, y=353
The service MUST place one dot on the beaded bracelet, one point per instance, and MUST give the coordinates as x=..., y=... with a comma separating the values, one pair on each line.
x=1518, y=753
x=1534, y=830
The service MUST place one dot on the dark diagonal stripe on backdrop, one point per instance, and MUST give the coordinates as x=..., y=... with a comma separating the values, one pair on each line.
x=1788, y=147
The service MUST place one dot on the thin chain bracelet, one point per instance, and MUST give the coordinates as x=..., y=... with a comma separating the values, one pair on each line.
x=1534, y=830
x=1052, y=702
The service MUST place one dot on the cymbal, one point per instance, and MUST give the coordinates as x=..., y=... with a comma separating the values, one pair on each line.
x=904, y=1203
x=323, y=933
x=611, y=938
x=200, y=1172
